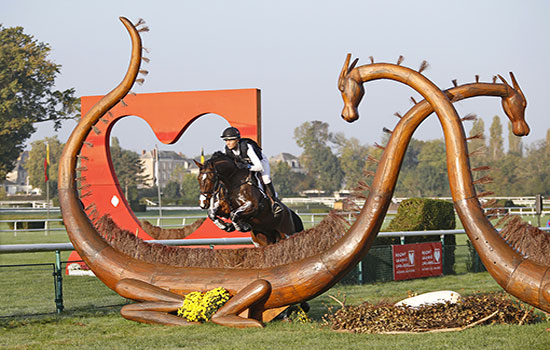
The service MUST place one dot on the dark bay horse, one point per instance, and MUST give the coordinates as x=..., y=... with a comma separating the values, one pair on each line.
x=232, y=192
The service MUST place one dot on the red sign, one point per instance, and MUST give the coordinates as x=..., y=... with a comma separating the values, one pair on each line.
x=417, y=260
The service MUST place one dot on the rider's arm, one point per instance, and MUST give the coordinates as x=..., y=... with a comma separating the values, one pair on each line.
x=256, y=162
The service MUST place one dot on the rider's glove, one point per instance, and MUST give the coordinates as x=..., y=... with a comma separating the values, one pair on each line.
x=243, y=166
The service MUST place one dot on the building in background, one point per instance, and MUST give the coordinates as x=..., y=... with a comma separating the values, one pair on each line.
x=292, y=161
x=17, y=180
x=171, y=166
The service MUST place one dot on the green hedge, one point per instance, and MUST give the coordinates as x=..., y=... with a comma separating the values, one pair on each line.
x=420, y=214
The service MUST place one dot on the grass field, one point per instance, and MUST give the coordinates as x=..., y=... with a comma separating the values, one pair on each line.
x=105, y=329
x=87, y=322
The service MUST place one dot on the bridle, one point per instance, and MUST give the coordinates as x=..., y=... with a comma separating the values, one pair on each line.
x=215, y=189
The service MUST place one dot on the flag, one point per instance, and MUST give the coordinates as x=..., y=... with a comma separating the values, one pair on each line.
x=202, y=155
x=46, y=162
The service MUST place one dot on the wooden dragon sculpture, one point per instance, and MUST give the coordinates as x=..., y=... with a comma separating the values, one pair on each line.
x=159, y=289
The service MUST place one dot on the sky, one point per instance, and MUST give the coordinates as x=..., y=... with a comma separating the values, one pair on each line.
x=293, y=51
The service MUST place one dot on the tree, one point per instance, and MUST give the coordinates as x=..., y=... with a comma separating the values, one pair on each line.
x=27, y=78
x=189, y=188
x=284, y=180
x=172, y=190
x=496, y=144
x=432, y=169
x=353, y=157
x=515, y=146
x=317, y=158
x=35, y=164
x=128, y=169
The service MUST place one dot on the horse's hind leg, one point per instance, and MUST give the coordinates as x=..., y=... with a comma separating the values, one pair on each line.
x=250, y=297
x=155, y=306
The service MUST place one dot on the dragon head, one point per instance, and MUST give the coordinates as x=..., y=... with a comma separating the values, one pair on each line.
x=514, y=104
x=352, y=91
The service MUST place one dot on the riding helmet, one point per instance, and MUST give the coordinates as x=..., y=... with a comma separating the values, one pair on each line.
x=231, y=133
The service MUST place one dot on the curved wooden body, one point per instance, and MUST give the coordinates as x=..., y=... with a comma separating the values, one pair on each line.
x=159, y=288
x=526, y=280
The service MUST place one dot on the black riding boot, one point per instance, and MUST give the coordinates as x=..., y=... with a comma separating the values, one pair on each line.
x=275, y=203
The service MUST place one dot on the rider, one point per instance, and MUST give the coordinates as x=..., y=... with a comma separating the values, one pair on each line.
x=246, y=151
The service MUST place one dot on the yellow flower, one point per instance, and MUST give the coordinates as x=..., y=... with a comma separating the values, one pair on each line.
x=199, y=307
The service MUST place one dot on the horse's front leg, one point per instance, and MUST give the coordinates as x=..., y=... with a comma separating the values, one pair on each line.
x=214, y=215
x=241, y=214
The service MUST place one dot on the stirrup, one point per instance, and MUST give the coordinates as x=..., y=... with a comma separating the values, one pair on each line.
x=276, y=208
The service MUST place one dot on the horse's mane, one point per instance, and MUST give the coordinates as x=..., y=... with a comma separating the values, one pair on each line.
x=218, y=155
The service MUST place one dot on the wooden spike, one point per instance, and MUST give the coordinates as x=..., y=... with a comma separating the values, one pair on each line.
x=143, y=71
x=455, y=83
x=476, y=137
x=89, y=144
x=413, y=100
x=124, y=104
x=483, y=180
x=145, y=59
x=387, y=131
x=482, y=168
x=139, y=22
x=105, y=121
x=372, y=159
x=359, y=195
x=82, y=168
x=398, y=115
x=490, y=203
x=84, y=195
x=423, y=66
x=110, y=114
x=140, y=81
x=132, y=93
x=485, y=194
x=143, y=29
x=96, y=130
x=368, y=173
x=83, y=187
x=400, y=60
x=145, y=49
x=477, y=78
x=80, y=178
x=494, y=79
x=371, y=59
x=469, y=117
x=91, y=206
x=479, y=151
x=81, y=157
x=379, y=146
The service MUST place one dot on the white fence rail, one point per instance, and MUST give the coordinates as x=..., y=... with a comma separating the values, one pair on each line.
x=177, y=221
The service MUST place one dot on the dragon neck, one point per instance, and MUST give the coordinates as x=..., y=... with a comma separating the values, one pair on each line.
x=79, y=228
x=359, y=238
x=500, y=259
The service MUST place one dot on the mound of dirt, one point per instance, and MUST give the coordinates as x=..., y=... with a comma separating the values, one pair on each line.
x=470, y=311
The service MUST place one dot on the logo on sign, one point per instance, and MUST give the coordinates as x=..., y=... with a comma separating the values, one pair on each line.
x=411, y=257
x=437, y=254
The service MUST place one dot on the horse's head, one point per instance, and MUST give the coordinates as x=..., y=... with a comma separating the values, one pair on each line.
x=514, y=104
x=208, y=181
x=352, y=91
